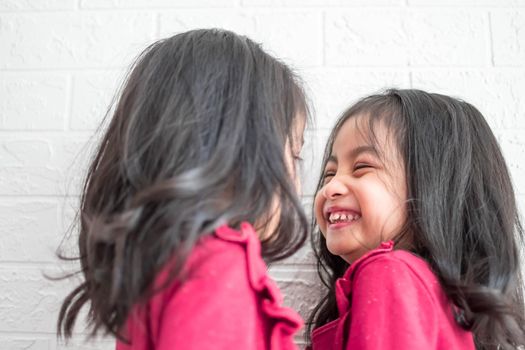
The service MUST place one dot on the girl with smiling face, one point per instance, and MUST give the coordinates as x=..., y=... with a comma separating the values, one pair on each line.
x=356, y=204
x=418, y=231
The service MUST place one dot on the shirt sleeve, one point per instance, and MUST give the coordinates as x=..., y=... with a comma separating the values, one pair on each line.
x=215, y=308
x=391, y=308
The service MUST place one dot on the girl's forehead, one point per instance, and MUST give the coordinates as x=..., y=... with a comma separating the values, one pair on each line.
x=358, y=131
x=354, y=132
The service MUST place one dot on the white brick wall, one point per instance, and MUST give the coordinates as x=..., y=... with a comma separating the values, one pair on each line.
x=61, y=61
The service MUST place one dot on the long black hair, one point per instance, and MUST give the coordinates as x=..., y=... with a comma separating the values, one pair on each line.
x=197, y=139
x=461, y=212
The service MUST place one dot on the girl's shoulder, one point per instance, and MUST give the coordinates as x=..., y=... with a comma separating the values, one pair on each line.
x=234, y=255
x=231, y=258
x=227, y=254
x=393, y=294
x=393, y=267
x=226, y=293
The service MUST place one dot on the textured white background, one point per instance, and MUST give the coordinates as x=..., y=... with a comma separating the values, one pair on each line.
x=61, y=60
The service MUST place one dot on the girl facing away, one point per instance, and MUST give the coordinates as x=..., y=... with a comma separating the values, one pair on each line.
x=418, y=233
x=192, y=186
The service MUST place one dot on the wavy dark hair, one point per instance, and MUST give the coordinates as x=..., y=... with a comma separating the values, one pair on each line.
x=461, y=212
x=197, y=139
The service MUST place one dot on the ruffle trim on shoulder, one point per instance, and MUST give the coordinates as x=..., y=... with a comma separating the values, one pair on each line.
x=284, y=322
x=343, y=285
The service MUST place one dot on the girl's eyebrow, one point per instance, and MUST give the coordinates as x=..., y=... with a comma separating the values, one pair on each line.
x=332, y=159
x=354, y=153
x=362, y=149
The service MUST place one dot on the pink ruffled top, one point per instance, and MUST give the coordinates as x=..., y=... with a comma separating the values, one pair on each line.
x=391, y=299
x=226, y=301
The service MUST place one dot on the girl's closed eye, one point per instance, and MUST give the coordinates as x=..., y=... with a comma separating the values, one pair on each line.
x=361, y=165
x=298, y=163
x=327, y=175
x=298, y=159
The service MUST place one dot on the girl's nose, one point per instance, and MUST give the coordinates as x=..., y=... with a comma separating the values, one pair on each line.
x=334, y=189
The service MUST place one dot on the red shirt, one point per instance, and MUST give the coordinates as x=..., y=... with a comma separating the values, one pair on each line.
x=227, y=301
x=390, y=299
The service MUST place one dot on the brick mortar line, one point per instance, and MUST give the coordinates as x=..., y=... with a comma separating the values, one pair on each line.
x=269, y=9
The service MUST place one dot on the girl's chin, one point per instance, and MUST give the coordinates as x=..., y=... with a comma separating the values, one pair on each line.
x=348, y=249
x=336, y=248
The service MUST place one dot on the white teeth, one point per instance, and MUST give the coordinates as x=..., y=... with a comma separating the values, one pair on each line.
x=341, y=217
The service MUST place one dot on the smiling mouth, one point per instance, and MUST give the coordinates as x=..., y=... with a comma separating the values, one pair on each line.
x=342, y=218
